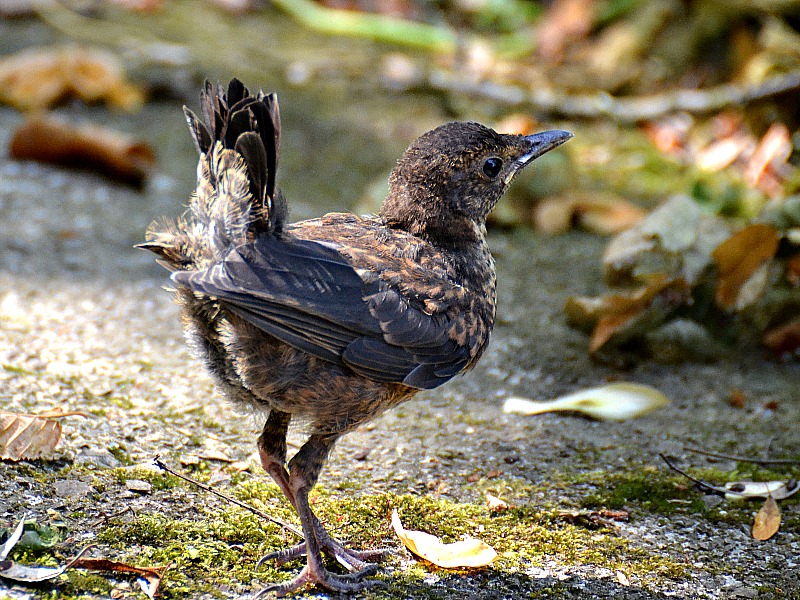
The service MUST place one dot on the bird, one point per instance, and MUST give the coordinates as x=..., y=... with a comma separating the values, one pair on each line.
x=329, y=322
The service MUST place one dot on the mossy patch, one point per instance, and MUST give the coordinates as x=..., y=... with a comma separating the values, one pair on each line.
x=223, y=546
x=213, y=548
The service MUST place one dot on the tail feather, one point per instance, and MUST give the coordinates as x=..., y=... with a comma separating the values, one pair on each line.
x=238, y=138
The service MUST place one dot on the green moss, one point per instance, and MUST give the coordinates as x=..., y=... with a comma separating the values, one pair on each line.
x=120, y=452
x=80, y=582
x=223, y=546
x=215, y=552
x=159, y=480
x=644, y=489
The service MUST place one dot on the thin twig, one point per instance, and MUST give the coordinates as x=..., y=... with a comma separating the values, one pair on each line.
x=602, y=104
x=105, y=518
x=756, y=461
x=706, y=487
x=287, y=526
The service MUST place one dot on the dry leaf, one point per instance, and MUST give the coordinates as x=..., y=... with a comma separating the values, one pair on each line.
x=785, y=339
x=28, y=437
x=110, y=152
x=12, y=540
x=670, y=134
x=772, y=152
x=761, y=489
x=469, y=552
x=27, y=573
x=517, y=124
x=613, y=402
x=34, y=574
x=675, y=240
x=768, y=520
x=40, y=77
x=151, y=575
x=611, y=313
x=722, y=153
x=738, y=259
x=793, y=270
x=605, y=215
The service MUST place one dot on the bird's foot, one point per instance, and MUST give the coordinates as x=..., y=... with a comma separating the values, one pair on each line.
x=355, y=561
x=352, y=582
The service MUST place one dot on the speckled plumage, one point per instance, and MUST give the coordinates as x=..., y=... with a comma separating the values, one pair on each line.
x=336, y=319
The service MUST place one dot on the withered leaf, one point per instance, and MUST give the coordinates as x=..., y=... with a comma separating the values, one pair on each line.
x=611, y=313
x=784, y=340
x=34, y=573
x=28, y=437
x=12, y=540
x=773, y=150
x=768, y=520
x=469, y=552
x=152, y=575
x=40, y=77
x=612, y=402
x=778, y=490
x=601, y=214
x=739, y=257
x=88, y=147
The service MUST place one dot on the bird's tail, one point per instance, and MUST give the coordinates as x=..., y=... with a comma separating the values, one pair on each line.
x=238, y=137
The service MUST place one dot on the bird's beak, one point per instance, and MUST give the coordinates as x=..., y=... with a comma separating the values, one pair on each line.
x=538, y=144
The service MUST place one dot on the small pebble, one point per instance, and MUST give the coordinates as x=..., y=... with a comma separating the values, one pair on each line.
x=137, y=485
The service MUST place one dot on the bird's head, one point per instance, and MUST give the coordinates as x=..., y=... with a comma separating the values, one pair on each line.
x=458, y=172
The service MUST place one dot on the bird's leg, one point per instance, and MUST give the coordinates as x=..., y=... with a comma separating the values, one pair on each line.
x=304, y=470
x=272, y=450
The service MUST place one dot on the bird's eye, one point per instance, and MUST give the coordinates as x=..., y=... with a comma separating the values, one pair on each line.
x=492, y=167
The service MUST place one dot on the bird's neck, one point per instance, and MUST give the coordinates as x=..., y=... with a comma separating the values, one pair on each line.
x=428, y=219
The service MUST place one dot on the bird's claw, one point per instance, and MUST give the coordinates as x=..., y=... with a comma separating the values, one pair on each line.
x=351, y=582
x=352, y=560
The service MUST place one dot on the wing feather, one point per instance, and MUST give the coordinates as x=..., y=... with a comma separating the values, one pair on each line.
x=308, y=295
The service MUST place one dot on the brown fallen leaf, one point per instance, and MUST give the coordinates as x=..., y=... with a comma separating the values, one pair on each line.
x=28, y=437
x=670, y=134
x=41, y=77
x=784, y=340
x=793, y=270
x=763, y=168
x=152, y=575
x=612, y=312
x=739, y=257
x=767, y=521
x=112, y=153
x=469, y=552
x=605, y=215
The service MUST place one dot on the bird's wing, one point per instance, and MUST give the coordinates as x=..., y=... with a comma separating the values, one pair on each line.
x=308, y=295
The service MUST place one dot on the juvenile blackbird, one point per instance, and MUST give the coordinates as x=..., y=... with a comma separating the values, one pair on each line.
x=333, y=320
